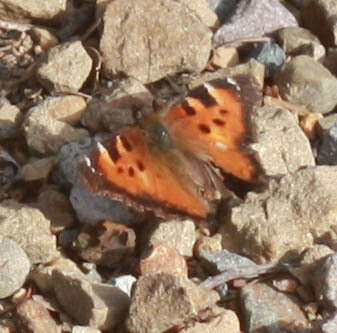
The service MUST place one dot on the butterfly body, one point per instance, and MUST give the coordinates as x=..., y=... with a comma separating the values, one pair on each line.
x=172, y=163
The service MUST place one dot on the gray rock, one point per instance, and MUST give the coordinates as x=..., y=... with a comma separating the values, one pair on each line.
x=266, y=310
x=299, y=41
x=152, y=46
x=280, y=144
x=306, y=82
x=223, y=8
x=269, y=54
x=254, y=18
x=93, y=304
x=124, y=283
x=30, y=229
x=325, y=283
x=65, y=67
x=327, y=151
x=14, y=267
x=320, y=16
x=286, y=218
x=10, y=119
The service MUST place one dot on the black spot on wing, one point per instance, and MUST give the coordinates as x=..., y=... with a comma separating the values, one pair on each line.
x=204, y=128
x=126, y=143
x=190, y=111
x=219, y=122
x=131, y=171
x=140, y=165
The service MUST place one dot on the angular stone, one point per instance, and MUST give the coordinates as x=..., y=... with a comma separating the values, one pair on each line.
x=179, y=235
x=279, y=143
x=161, y=301
x=264, y=307
x=152, y=46
x=65, y=67
x=30, y=229
x=93, y=304
x=306, y=82
x=225, y=57
x=285, y=219
x=253, y=19
x=124, y=283
x=14, y=267
x=299, y=41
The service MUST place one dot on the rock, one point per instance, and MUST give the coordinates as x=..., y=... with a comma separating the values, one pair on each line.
x=38, y=169
x=208, y=244
x=253, y=19
x=225, y=57
x=222, y=321
x=158, y=299
x=124, y=283
x=179, y=235
x=223, y=8
x=299, y=41
x=202, y=9
x=36, y=317
x=163, y=259
x=65, y=67
x=330, y=61
x=56, y=206
x=112, y=108
x=46, y=134
x=280, y=144
x=285, y=219
x=30, y=229
x=152, y=46
x=32, y=9
x=42, y=274
x=14, y=267
x=269, y=54
x=84, y=329
x=106, y=244
x=326, y=123
x=10, y=119
x=306, y=82
x=220, y=261
x=68, y=109
x=285, y=284
x=330, y=324
x=97, y=305
x=264, y=308
x=327, y=150
x=325, y=283
x=320, y=16
x=252, y=68
x=9, y=170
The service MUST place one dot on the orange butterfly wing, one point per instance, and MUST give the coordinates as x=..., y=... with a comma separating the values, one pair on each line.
x=212, y=124
x=126, y=169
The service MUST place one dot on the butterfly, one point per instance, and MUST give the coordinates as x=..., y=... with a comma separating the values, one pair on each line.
x=173, y=162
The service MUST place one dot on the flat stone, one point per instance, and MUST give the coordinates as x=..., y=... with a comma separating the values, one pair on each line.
x=179, y=235
x=65, y=67
x=161, y=301
x=263, y=307
x=38, y=169
x=10, y=119
x=320, y=17
x=253, y=19
x=306, y=82
x=97, y=305
x=45, y=134
x=30, y=229
x=152, y=46
x=162, y=259
x=285, y=219
x=279, y=143
x=14, y=267
x=37, y=317
x=299, y=41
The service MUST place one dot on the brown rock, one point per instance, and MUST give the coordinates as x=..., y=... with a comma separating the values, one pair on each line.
x=265, y=307
x=225, y=57
x=287, y=217
x=208, y=244
x=37, y=317
x=280, y=144
x=30, y=229
x=306, y=82
x=163, y=259
x=203, y=11
x=65, y=67
x=298, y=41
x=152, y=46
x=38, y=169
x=161, y=301
x=179, y=235
x=320, y=16
x=93, y=304
x=253, y=19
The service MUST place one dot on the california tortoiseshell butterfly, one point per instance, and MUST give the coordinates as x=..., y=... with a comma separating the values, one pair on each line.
x=173, y=161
